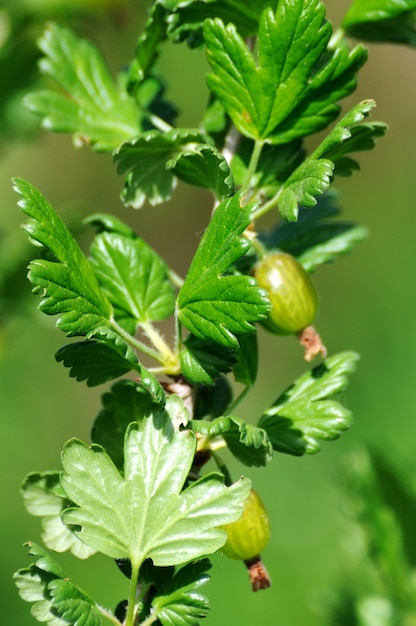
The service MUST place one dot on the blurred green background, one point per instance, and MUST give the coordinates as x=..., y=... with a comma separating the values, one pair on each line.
x=367, y=305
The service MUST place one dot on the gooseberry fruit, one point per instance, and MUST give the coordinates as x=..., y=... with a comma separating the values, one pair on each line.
x=291, y=291
x=294, y=300
x=247, y=537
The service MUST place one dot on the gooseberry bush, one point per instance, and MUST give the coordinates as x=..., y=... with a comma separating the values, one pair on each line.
x=139, y=492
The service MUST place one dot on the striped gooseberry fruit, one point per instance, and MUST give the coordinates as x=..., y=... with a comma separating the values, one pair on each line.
x=294, y=300
x=291, y=291
x=247, y=537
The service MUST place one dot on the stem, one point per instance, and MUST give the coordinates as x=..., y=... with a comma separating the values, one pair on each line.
x=150, y=620
x=254, y=161
x=131, y=601
x=238, y=399
x=159, y=123
x=108, y=615
x=228, y=481
x=232, y=140
x=262, y=210
x=178, y=334
x=177, y=280
x=168, y=357
x=136, y=343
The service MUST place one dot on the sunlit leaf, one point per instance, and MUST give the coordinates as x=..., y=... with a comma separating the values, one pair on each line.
x=144, y=513
x=306, y=413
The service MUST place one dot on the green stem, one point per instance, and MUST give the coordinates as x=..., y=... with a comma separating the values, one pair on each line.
x=158, y=123
x=149, y=620
x=168, y=357
x=177, y=280
x=108, y=615
x=228, y=481
x=136, y=343
x=178, y=334
x=238, y=399
x=267, y=206
x=254, y=161
x=131, y=601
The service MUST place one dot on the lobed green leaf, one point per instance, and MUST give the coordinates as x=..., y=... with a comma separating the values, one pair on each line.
x=204, y=167
x=316, y=238
x=92, y=107
x=56, y=600
x=202, y=361
x=97, y=362
x=127, y=401
x=313, y=177
x=187, y=19
x=248, y=443
x=133, y=278
x=214, y=306
x=294, y=89
x=67, y=284
x=146, y=159
x=144, y=513
x=44, y=497
x=306, y=414
x=180, y=602
x=384, y=20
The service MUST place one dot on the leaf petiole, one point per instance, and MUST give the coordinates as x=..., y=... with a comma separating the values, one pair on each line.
x=158, y=123
x=139, y=345
x=267, y=206
x=108, y=615
x=238, y=399
x=168, y=358
x=131, y=602
x=254, y=161
x=228, y=481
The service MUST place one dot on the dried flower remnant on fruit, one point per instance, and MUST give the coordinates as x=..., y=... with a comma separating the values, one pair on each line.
x=247, y=537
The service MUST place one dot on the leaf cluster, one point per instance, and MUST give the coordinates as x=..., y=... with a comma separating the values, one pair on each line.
x=136, y=494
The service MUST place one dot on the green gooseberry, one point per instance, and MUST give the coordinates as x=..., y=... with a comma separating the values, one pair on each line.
x=292, y=294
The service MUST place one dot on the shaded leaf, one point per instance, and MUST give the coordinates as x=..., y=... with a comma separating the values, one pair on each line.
x=276, y=164
x=306, y=414
x=204, y=167
x=145, y=160
x=202, y=362
x=248, y=443
x=67, y=284
x=314, y=175
x=144, y=513
x=152, y=386
x=213, y=401
x=316, y=237
x=133, y=278
x=212, y=305
x=44, y=497
x=96, y=362
x=148, y=43
x=56, y=600
x=181, y=603
x=384, y=21
x=187, y=20
x=92, y=107
x=127, y=401
x=245, y=370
